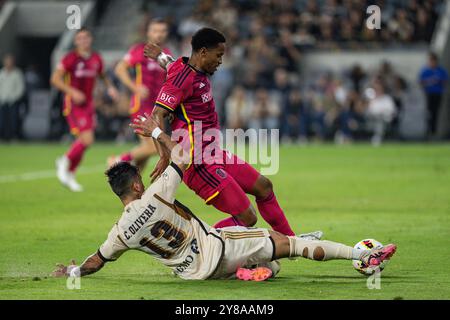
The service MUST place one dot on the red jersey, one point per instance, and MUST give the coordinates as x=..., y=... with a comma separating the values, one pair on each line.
x=148, y=73
x=81, y=73
x=187, y=92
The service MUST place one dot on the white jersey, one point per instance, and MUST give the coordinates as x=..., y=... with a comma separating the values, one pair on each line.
x=162, y=227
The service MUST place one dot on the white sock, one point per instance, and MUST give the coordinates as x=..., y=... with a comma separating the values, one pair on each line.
x=322, y=250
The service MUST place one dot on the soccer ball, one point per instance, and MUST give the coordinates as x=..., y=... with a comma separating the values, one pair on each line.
x=368, y=244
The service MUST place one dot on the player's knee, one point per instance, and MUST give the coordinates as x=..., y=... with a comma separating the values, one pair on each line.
x=263, y=187
x=249, y=221
x=87, y=139
x=248, y=217
x=252, y=220
x=89, y=142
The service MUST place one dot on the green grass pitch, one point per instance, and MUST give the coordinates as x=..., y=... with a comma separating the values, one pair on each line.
x=395, y=193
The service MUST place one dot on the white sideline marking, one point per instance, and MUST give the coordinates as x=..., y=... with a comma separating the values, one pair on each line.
x=46, y=174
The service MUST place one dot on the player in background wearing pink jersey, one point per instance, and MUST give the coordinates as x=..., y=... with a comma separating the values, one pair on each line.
x=145, y=87
x=75, y=76
x=187, y=94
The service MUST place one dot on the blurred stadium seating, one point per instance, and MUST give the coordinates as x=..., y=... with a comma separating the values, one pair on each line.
x=310, y=68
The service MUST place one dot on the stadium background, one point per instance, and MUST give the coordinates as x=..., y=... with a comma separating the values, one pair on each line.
x=306, y=67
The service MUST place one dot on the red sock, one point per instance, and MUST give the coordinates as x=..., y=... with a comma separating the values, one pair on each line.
x=126, y=157
x=228, y=222
x=271, y=212
x=75, y=154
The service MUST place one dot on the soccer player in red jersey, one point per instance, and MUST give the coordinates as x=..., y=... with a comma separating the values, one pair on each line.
x=187, y=94
x=75, y=76
x=149, y=79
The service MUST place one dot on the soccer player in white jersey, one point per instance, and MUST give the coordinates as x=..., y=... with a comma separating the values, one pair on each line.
x=154, y=222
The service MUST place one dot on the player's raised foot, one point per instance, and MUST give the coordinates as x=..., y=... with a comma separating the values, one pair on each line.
x=72, y=184
x=256, y=274
x=62, y=170
x=376, y=256
x=315, y=235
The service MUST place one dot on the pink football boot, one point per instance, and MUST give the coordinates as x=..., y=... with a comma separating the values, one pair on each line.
x=257, y=274
x=376, y=256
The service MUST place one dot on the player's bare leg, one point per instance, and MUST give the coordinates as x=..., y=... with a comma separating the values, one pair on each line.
x=248, y=217
x=68, y=163
x=139, y=155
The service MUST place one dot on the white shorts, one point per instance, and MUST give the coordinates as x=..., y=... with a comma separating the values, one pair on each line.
x=245, y=247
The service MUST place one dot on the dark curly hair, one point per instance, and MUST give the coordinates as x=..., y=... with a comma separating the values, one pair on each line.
x=121, y=176
x=206, y=38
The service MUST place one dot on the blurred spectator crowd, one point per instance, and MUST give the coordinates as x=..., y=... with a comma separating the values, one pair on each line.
x=353, y=105
x=289, y=24
x=259, y=84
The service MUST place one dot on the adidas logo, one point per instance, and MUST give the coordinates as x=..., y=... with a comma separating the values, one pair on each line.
x=201, y=85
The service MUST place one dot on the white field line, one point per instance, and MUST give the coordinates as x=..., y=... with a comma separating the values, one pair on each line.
x=46, y=174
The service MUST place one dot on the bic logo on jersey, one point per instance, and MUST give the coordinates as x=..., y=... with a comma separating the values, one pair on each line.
x=167, y=98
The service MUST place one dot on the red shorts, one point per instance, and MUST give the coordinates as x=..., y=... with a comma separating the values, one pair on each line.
x=80, y=119
x=140, y=107
x=217, y=184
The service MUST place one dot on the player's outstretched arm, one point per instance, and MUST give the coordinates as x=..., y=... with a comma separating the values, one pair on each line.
x=153, y=51
x=148, y=127
x=159, y=114
x=92, y=264
x=121, y=71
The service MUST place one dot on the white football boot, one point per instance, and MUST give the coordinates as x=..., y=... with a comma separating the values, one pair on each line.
x=315, y=235
x=72, y=184
x=62, y=170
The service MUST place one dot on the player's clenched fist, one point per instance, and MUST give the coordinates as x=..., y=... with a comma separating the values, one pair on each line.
x=77, y=96
x=141, y=91
x=152, y=50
